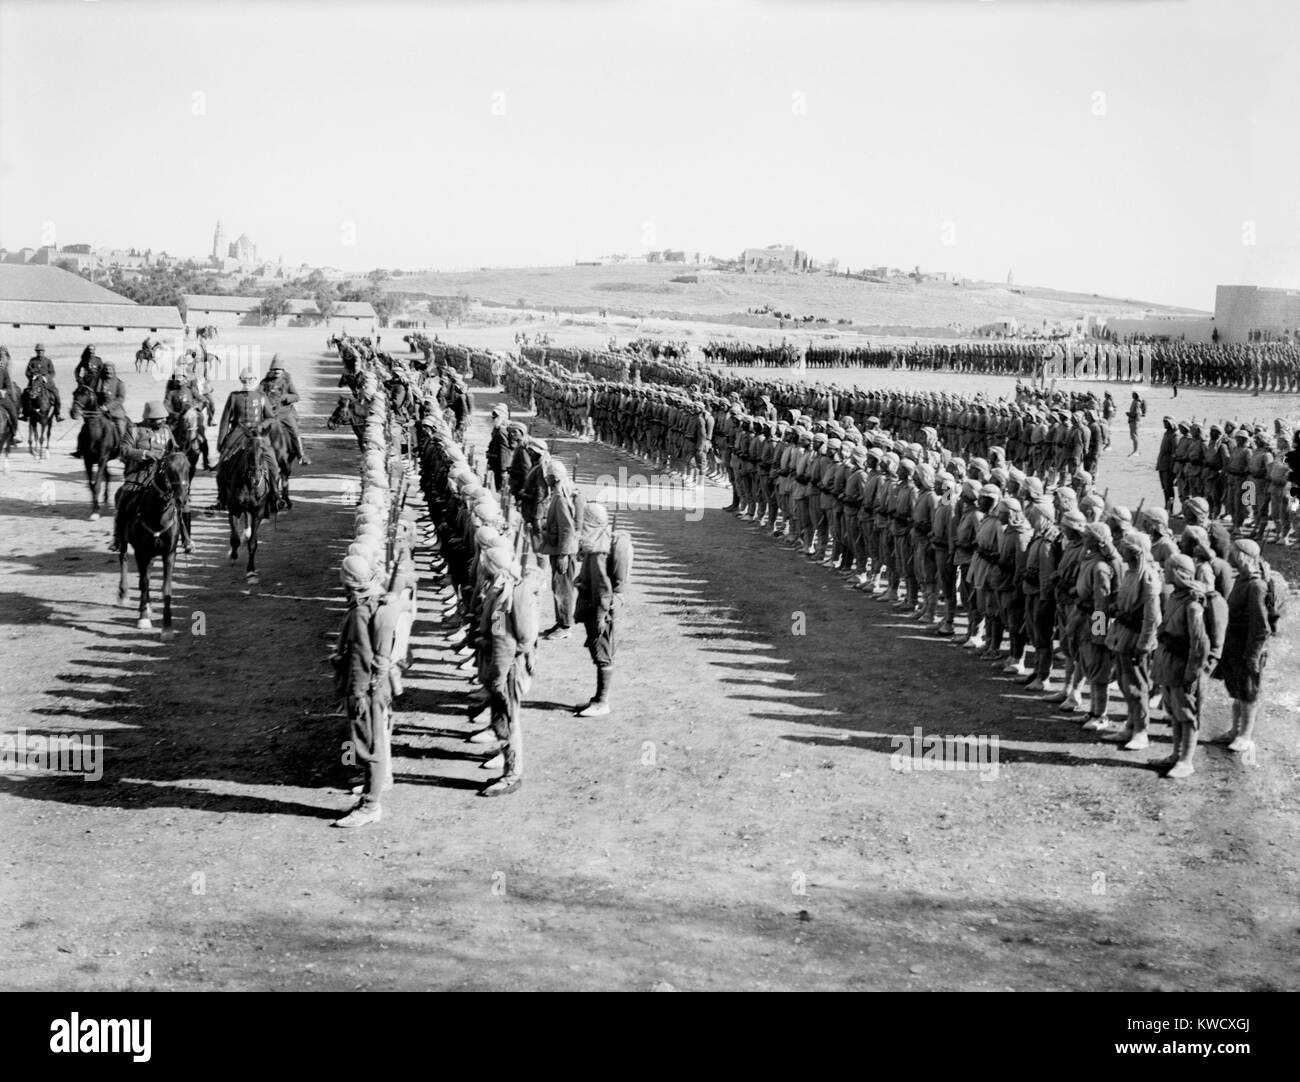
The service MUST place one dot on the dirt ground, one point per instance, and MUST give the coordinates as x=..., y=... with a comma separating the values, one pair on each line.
x=734, y=823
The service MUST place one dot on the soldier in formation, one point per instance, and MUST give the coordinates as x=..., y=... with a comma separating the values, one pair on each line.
x=1020, y=546
x=1245, y=474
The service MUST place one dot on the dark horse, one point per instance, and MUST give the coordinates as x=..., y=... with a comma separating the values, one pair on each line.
x=99, y=443
x=147, y=357
x=159, y=513
x=40, y=417
x=187, y=431
x=345, y=413
x=253, y=477
x=8, y=436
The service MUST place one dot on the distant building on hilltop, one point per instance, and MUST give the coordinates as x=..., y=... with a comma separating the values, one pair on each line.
x=244, y=251
x=775, y=257
x=239, y=256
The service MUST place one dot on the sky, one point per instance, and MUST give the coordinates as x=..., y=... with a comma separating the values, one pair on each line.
x=1137, y=149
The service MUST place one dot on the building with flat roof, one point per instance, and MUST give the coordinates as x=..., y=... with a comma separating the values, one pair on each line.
x=201, y=310
x=775, y=257
x=1243, y=311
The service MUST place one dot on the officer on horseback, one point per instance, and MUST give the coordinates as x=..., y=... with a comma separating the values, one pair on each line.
x=241, y=420
x=180, y=399
x=89, y=368
x=281, y=394
x=144, y=446
x=111, y=395
x=245, y=411
x=42, y=368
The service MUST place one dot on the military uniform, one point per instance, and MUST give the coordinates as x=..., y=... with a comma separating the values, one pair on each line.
x=243, y=415
x=143, y=448
x=41, y=368
x=281, y=395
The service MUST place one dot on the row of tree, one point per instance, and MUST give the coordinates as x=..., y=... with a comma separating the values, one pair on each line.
x=168, y=285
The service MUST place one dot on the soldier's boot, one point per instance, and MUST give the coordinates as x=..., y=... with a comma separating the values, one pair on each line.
x=974, y=637
x=298, y=450
x=511, y=761
x=1015, y=665
x=599, y=705
x=1067, y=684
x=994, y=651
x=1244, y=738
x=1184, y=752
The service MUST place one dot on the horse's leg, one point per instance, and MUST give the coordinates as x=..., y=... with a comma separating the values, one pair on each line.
x=169, y=562
x=234, y=535
x=250, y=575
x=92, y=480
x=145, y=622
x=123, y=589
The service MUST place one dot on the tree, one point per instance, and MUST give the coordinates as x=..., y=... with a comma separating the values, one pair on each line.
x=449, y=308
x=444, y=308
x=326, y=299
x=274, y=304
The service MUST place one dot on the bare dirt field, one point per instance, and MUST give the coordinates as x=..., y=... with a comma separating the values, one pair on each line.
x=734, y=823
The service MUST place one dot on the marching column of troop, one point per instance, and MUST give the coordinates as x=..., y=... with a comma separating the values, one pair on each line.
x=1029, y=568
x=1246, y=476
x=379, y=578
x=1058, y=437
x=491, y=540
x=1264, y=366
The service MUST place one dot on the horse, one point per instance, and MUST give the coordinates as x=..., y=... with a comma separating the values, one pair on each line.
x=40, y=417
x=147, y=356
x=187, y=431
x=98, y=441
x=160, y=513
x=346, y=413
x=253, y=477
x=8, y=437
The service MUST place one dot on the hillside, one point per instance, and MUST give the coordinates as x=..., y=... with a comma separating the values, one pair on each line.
x=648, y=289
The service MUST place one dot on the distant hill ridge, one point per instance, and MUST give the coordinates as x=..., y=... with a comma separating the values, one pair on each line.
x=650, y=288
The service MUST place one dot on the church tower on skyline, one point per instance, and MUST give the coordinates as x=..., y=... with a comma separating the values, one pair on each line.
x=219, y=242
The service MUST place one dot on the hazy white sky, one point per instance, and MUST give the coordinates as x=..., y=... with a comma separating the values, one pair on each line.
x=1128, y=148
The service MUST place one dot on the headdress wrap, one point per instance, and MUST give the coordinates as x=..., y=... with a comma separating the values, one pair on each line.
x=595, y=529
x=1180, y=573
